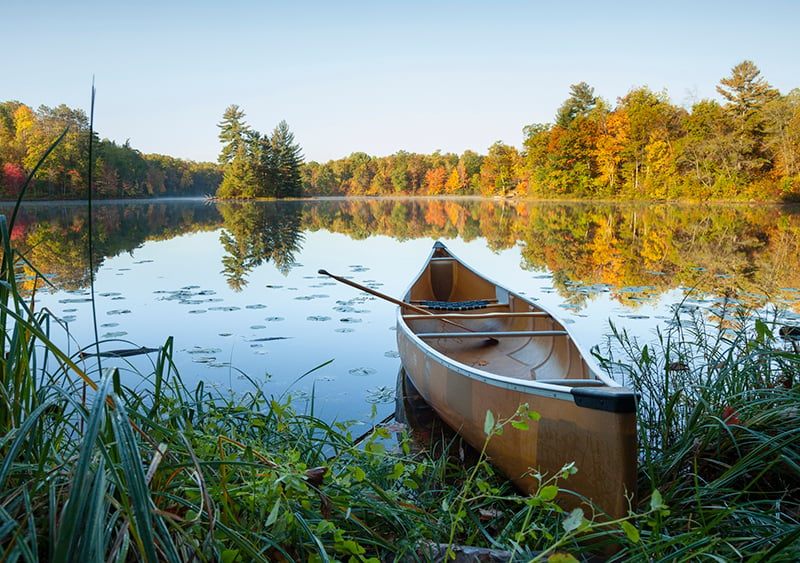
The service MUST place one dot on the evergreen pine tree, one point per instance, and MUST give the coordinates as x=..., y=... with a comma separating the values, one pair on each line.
x=287, y=159
x=233, y=132
x=580, y=103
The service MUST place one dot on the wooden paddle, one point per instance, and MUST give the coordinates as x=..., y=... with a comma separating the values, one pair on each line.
x=391, y=299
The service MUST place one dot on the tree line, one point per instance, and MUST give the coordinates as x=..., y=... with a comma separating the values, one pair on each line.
x=119, y=170
x=643, y=147
x=746, y=146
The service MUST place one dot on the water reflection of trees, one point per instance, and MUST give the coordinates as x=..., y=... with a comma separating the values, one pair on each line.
x=722, y=249
x=256, y=233
x=54, y=238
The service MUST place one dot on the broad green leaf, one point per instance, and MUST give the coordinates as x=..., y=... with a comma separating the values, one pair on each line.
x=548, y=493
x=572, y=522
x=656, y=501
x=630, y=531
x=488, y=424
x=560, y=557
x=399, y=468
x=520, y=424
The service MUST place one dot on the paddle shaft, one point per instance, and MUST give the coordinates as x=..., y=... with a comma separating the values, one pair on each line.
x=391, y=299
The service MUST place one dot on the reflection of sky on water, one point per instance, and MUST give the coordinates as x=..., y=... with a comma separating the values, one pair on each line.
x=281, y=326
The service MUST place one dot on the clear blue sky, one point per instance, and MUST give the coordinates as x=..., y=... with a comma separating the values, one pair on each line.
x=373, y=76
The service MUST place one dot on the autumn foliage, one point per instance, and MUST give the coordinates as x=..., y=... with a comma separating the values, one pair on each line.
x=746, y=146
x=743, y=146
x=119, y=170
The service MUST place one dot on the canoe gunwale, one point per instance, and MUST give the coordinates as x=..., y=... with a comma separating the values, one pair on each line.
x=619, y=401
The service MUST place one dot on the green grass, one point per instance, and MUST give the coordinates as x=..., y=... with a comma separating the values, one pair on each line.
x=718, y=426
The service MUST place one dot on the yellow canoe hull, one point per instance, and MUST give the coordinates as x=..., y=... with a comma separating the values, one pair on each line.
x=484, y=348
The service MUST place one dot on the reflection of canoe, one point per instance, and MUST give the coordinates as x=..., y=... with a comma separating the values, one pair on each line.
x=499, y=351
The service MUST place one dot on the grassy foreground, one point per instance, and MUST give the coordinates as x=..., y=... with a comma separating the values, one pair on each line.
x=94, y=470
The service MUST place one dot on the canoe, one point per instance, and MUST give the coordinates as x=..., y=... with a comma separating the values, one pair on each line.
x=469, y=345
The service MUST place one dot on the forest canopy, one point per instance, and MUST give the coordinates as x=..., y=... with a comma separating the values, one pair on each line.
x=745, y=146
x=119, y=170
x=643, y=147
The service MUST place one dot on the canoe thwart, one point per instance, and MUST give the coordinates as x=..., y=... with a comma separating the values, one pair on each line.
x=490, y=334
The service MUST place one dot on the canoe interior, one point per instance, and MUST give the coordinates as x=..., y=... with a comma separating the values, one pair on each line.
x=550, y=355
x=490, y=349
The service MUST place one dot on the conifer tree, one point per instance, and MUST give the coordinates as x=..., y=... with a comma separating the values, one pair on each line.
x=747, y=94
x=287, y=160
x=746, y=91
x=233, y=132
x=579, y=104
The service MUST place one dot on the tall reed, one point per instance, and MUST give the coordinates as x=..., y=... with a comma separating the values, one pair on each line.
x=718, y=426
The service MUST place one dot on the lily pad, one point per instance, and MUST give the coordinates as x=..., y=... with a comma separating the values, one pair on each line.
x=380, y=394
x=204, y=351
x=204, y=359
x=363, y=371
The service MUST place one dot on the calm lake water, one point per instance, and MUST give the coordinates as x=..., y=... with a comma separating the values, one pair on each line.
x=238, y=288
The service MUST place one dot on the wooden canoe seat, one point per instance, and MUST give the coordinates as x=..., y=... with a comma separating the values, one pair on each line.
x=474, y=316
x=491, y=334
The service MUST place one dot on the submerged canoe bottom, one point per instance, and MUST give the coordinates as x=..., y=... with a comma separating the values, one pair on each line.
x=599, y=441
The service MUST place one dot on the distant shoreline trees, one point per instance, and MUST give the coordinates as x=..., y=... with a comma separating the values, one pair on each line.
x=120, y=171
x=644, y=147
x=744, y=147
